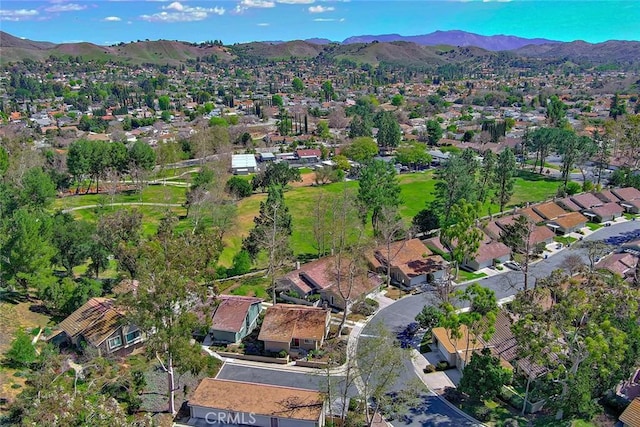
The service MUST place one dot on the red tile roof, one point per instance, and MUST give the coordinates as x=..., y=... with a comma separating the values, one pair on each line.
x=628, y=193
x=586, y=200
x=549, y=210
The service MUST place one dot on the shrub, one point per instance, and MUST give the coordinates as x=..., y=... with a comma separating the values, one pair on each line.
x=282, y=354
x=453, y=395
x=21, y=353
x=511, y=422
x=366, y=307
x=429, y=369
x=483, y=413
x=443, y=365
x=239, y=187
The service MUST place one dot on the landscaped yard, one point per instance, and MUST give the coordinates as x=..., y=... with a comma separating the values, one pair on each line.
x=565, y=240
x=593, y=226
x=465, y=276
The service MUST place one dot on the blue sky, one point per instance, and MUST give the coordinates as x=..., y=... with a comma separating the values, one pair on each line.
x=113, y=21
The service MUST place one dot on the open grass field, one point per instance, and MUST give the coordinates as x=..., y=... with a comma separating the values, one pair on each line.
x=416, y=190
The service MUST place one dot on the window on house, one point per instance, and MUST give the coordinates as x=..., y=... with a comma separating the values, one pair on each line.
x=308, y=341
x=114, y=342
x=132, y=336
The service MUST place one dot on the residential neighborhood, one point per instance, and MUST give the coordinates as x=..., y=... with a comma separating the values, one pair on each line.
x=380, y=233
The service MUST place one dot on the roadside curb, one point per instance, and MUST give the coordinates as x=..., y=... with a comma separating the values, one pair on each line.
x=459, y=411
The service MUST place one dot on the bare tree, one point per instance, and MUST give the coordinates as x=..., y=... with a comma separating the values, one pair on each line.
x=348, y=246
x=518, y=237
x=573, y=263
x=391, y=229
x=596, y=249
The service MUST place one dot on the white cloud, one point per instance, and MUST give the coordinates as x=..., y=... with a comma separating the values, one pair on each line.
x=257, y=3
x=295, y=1
x=321, y=9
x=112, y=19
x=183, y=13
x=263, y=24
x=66, y=7
x=328, y=20
x=17, y=14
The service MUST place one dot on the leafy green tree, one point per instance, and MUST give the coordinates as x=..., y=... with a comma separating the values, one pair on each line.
x=4, y=161
x=397, y=100
x=276, y=100
x=72, y=240
x=79, y=160
x=377, y=187
x=173, y=268
x=483, y=376
x=327, y=91
x=271, y=233
x=25, y=256
x=573, y=149
x=389, y=133
x=361, y=150
x=556, y=111
x=517, y=236
x=617, y=108
x=456, y=181
x=241, y=263
x=413, y=155
x=505, y=177
x=297, y=85
x=323, y=129
x=359, y=127
x=37, y=188
x=218, y=121
x=462, y=234
x=239, y=187
x=434, y=132
x=22, y=353
x=429, y=317
x=163, y=102
x=487, y=177
x=275, y=174
x=426, y=220
x=120, y=233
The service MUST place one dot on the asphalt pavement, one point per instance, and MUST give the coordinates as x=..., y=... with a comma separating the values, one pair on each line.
x=433, y=412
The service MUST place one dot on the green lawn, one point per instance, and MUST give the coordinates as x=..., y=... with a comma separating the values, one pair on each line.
x=465, y=276
x=565, y=240
x=593, y=226
x=416, y=190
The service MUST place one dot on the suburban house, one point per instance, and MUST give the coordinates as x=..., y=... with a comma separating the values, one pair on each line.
x=568, y=223
x=532, y=215
x=549, y=210
x=456, y=350
x=243, y=164
x=622, y=263
x=234, y=317
x=568, y=204
x=412, y=263
x=630, y=198
x=627, y=193
x=631, y=415
x=539, y=234
x=490, y=252
x=603, y=213
x=100, y=325
x=319, y=277
x=288, y=327
x=309, y=155
x=607, y=196
x=586, y=200
x=217, y=402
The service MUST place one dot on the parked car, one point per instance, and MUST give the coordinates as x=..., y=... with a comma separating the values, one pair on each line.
x=513, y=265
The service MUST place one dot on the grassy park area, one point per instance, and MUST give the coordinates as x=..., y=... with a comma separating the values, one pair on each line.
x=416, y=190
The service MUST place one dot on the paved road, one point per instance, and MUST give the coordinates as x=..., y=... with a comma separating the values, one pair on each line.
x=433, y=412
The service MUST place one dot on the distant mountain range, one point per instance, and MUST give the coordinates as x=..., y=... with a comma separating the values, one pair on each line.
x=455, y=38
x=435, y=49
x=449, y=38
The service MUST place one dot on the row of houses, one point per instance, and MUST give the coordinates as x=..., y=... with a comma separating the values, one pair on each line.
x=244, y=164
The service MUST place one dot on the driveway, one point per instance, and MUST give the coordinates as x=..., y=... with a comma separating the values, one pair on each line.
x=433, y=412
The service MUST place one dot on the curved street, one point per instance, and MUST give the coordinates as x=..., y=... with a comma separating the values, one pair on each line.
x=433, y=411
